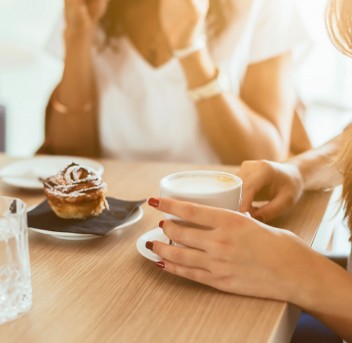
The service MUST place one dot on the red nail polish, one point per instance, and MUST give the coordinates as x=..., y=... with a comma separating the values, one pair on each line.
x=161, y=264
x=149, y=245
x=153, y=202
x=161, y=224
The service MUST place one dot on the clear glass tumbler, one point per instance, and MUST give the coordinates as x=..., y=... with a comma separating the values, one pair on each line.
x=15, y=275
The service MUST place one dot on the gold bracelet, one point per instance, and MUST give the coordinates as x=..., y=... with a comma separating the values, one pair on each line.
x=59, y=107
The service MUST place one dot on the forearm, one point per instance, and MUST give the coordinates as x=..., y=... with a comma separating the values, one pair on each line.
x=71, y=118
x=71, y=133
x=77, y=88
x=326, y=293
x=235, y=130
x=316, y=167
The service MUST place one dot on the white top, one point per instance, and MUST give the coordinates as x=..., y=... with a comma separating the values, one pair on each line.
x=146, y=113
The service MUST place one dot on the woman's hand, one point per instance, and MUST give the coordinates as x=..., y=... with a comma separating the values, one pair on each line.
x=83, y=15
x=183, y=21
x=233, y=252
x=280, y=184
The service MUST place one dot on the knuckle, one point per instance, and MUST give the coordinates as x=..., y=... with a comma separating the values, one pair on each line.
x=190, y=212
x=172, y=231
x=176, y=234
x=264, y=165
x=156, y=248
x=216, y=247
x=176, y=254
x=222, y=270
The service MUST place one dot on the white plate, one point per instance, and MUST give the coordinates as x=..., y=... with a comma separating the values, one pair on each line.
x=156, y=234
x=26, y=172
x=134, y=218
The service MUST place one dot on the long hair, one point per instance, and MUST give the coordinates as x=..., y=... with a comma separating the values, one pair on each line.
x=219, y=17
x=339, y=25
x=344, y=164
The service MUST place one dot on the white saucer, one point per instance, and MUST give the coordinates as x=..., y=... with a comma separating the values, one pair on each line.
x=26, y=172
x=134, y=218
x=156, y=234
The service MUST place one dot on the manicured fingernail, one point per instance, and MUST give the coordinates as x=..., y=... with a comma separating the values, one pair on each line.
x=161, y=264
x=149, y=245
x=161, y=224
x=153, y=202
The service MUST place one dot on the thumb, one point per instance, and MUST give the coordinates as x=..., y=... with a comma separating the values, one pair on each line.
x=274, y=208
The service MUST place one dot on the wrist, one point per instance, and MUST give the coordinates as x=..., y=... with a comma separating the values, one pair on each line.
x=74, y=36
x=199, y=68
x=302, y=288
x=196, y=45
x=324, y=287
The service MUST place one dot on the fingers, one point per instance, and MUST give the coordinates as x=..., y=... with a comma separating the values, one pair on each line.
x=194, y=274
x=275, y=208
x=183, y=256
x=255, y=176
x=190, y=237
x=191, y=212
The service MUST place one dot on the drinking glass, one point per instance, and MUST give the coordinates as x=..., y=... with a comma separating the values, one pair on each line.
x=15, y=275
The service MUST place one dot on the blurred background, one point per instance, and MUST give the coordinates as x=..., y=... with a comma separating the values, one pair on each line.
x=28, y=73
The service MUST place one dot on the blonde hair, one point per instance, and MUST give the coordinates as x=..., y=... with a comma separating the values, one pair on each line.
x=344, y=164
x=339, y=25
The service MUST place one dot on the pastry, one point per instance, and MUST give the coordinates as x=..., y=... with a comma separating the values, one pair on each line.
x=76, y=192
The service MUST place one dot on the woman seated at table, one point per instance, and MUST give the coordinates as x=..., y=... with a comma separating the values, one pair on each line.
x=142, y=80
x=242, y=255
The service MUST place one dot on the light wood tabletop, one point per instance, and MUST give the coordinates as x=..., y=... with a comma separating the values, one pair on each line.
x=103, y=290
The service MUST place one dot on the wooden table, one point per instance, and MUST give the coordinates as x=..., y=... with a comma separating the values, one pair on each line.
x=102, y=290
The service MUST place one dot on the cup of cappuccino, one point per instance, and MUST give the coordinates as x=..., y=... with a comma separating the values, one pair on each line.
x=206, y=187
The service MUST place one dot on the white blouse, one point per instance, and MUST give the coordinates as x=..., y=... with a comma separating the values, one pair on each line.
x=146, y=113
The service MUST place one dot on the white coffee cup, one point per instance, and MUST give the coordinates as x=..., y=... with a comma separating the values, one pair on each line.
x=206, y=187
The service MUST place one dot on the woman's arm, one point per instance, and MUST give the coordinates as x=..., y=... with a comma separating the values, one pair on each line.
x=326, y=293
x=71, y=123
x=255, y=125
x=238, y=254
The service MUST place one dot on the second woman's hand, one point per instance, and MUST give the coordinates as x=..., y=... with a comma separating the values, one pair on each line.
x=183, y=21
x=279, y=184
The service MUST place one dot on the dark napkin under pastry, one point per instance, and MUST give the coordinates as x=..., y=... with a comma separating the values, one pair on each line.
x=43, y=217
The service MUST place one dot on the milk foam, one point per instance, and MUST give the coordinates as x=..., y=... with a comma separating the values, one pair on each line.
x=200, y=184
